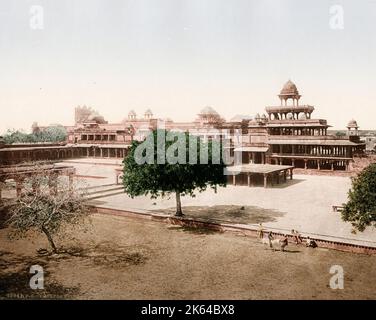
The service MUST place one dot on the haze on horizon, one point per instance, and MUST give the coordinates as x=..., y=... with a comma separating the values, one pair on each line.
x=177, y=56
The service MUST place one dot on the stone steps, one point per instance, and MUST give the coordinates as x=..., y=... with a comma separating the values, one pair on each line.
x=105, y=195
x=97, y=192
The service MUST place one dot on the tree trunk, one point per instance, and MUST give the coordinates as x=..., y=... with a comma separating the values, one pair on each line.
x=178, y=213
x=50, y=240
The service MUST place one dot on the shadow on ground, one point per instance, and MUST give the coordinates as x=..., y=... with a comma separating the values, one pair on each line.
x=15, y=269
x=198, y=230
x=228, y=213
x=287, y=184
x=15, y=279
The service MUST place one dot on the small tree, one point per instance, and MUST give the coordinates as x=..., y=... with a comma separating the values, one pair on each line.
x=360, y=208
x=46, y=206
x=169, y=166
x=55, y=133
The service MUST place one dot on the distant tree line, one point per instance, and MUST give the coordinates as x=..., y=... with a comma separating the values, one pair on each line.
x=55, y=133
x=340, y=133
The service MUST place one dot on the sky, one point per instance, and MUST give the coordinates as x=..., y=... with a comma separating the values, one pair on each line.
x=178, y=56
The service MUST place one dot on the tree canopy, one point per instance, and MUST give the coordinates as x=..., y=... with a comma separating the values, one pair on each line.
x=172, y=162
x=56, y=133
x=360, y=208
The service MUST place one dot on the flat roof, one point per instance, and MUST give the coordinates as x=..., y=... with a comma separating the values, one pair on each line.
x=24, y=169
x=323, y=157
x=322, y=142
x=33, y=148
x=297, y=124
x=252, y=149
x=102, y=145
x=259, y=168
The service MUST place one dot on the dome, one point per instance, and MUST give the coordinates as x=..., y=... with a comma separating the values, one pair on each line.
x=209, y=115
x=208, y=110
x=352, y=124
x=131, y=116
x=240, y=117
x=289, y=89
x=148, y=114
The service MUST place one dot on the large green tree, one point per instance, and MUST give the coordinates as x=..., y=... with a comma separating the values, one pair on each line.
x=360, y=208
x=173, y=163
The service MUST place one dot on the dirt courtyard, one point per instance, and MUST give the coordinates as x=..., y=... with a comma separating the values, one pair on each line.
x=124, y=258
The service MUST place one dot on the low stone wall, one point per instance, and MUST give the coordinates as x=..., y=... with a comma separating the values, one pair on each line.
x=246, y=230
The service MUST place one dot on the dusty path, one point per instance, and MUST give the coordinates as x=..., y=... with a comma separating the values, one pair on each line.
x=122, y=258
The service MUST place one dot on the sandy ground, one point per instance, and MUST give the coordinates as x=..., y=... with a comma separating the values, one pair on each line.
x=123, y=258
x=304, y=203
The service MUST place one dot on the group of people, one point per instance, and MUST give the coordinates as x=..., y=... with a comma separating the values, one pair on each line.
x=284, y=240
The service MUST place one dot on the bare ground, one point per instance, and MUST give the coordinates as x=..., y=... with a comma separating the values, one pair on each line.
x=123, y=258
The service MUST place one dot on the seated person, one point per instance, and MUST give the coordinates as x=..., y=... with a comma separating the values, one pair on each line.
x=311, y=243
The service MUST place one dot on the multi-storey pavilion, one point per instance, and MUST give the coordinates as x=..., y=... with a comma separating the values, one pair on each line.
x=288, y=135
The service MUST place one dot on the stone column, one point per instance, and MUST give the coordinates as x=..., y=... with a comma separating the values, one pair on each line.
x=70, y=178
x=52, y=183
x=1, y=188
x=234, y=180
x=265, y=180
x=19, y=186
x=249, y=179
x=35, y=186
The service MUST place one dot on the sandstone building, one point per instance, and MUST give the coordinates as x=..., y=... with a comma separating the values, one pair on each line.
x=286, y=134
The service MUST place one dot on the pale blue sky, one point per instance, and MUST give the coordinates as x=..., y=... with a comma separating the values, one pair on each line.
x=177, y=56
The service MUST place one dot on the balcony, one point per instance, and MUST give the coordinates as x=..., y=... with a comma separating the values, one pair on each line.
x=300, y=137
x=308, y=155
x=104, y=142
